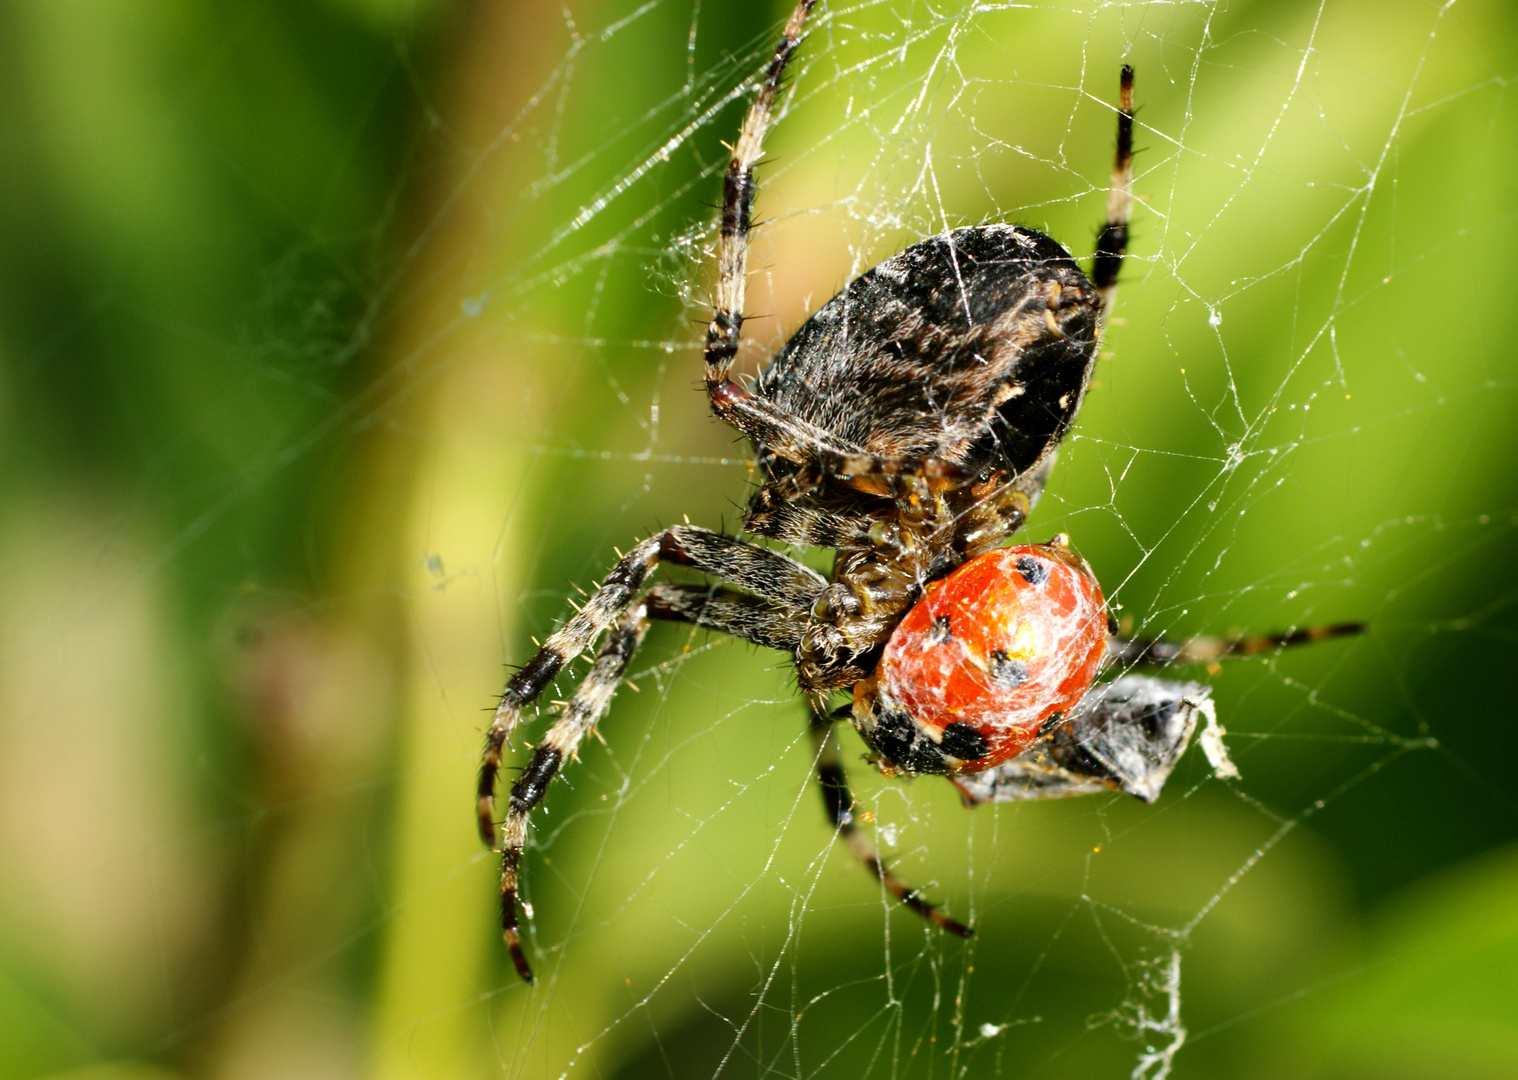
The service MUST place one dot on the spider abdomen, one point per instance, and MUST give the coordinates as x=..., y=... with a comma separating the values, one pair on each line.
x=991, y=654
x=973, y=347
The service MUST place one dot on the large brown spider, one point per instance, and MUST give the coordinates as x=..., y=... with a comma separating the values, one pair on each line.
x=910, y=425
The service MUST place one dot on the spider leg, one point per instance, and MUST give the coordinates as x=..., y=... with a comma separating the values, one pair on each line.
x=749, y=618
x=840, y=809
x=761, y=571
x=752, y=618
x=785, y=435
x=771, y=515
x=1128, y=652
x=563, y=739
x=1112, y=242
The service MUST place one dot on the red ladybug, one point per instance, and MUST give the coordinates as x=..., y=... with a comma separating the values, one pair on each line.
x=1005, y=644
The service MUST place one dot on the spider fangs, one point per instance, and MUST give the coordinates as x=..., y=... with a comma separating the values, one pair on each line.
x=910, y=425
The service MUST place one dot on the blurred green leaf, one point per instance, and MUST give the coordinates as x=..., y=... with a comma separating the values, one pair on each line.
x=1433, y=992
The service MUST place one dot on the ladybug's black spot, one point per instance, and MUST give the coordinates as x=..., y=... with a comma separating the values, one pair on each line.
x=1006, y=672
x=964, y=742
x=1033, y=571
x=903, y=744
x=940, y=633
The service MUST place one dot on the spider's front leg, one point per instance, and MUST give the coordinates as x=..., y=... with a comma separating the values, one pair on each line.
x=569, y=641
x=751, y=618
x=840, y=808
x=765, y=573
x=563, y=739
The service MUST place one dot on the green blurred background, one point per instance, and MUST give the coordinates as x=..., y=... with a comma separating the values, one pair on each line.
x=338, y=339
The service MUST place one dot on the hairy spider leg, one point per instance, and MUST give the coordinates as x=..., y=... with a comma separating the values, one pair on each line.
x=737, y=208
x=1129, y=652
x=750, y=618
x=617, y=590
x=772, y=515
x=839, y=802
x=1112, y=242
x=758, y=570
x=761, y=420
x=563, y=739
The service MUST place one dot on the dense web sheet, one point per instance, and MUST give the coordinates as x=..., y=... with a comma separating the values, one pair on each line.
x=691, y=914
x=1295, y=412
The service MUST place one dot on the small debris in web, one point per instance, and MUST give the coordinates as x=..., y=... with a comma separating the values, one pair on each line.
x=1213, y=746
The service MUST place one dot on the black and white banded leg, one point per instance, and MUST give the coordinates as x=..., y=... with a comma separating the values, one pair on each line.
x=1112, y=242
x=737, y=209
x=1159, y=652
x=587, y=706
x=751, y=618
x=757, y=570
x=805, y=526
x=766, y=424
x=839, y=802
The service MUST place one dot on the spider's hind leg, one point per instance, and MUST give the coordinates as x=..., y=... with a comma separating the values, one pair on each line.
x=755, y=417
x=840, y=808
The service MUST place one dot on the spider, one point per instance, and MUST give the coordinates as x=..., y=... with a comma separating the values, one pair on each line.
x=910, y=425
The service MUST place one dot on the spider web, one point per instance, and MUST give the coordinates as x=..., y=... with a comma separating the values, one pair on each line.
x=1298, y=418
x=1228, y=472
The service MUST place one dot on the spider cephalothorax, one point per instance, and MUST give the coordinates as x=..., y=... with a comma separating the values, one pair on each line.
x=910, y=425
